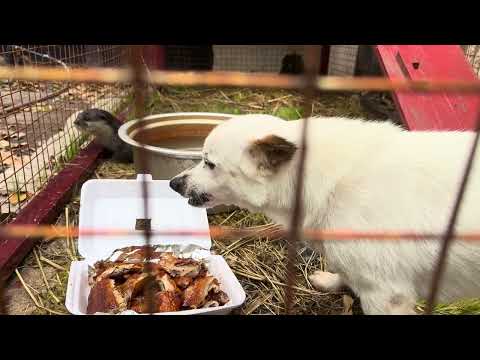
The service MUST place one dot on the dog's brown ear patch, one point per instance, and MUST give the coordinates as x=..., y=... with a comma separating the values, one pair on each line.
x=272, y=151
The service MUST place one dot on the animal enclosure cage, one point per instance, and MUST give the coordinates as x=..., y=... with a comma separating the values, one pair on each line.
x=38, y=109
x=339, y=60
x=36, y=130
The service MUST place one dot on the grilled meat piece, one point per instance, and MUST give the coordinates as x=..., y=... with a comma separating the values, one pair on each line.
x=164, y=301
x=105, y=298
x=118, y=271
x=196, y=294
x=178, y=283
x=220, y=297
x=179, y=267
x=133, y=286
x=183, y=281
x=132, y=256
x=167, y=283
x=167, y=301
x=139, y=305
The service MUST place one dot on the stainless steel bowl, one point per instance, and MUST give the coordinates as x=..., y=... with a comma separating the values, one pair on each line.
x=171, y=143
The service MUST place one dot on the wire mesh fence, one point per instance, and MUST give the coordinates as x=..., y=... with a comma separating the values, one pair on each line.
x=472, y=53
x=37, y=136
x=18, y=127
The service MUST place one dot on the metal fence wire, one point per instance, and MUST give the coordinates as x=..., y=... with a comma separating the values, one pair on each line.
x=472, y=52
x=37, y=107
x=36, y=132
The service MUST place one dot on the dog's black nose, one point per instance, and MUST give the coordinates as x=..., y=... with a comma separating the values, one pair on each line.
x=178, y=184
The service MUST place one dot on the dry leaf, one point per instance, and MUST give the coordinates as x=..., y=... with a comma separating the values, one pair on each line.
x=44, y=108
x=347, y=305
x=19, y=197
x=19, y=145
x=4, y=144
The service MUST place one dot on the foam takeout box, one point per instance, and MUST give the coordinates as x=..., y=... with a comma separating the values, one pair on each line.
x=117, y=204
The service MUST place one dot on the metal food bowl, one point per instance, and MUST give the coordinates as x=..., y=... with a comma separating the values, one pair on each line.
x=170, y=143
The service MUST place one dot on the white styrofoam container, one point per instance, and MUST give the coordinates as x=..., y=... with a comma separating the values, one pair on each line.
x=116, y=204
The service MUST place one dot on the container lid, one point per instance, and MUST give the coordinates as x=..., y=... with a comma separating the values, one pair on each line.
x=118, y=204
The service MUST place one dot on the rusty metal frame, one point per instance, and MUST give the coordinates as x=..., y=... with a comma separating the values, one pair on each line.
x=238, y=79
x=309, y=82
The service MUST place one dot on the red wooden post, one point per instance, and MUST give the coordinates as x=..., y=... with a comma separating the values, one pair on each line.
x=155, y=57
x=428, y=62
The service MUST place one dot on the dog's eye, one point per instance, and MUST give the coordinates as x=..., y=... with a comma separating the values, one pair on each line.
x=209, y=164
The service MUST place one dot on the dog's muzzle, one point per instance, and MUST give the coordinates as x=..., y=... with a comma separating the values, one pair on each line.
x=178, y=184
x=196, y=199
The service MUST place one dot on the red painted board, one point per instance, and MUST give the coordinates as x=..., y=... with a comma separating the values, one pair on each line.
x=45, y=206
x=154, y=56
x=444, y=111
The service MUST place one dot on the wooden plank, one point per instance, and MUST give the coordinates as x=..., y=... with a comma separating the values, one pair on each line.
x=446, y=111
x=46, y=206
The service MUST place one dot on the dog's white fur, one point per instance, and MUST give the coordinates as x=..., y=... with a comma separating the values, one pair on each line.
x=363, y=176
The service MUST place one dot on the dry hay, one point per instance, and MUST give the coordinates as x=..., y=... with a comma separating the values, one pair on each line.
x=259, y=263
x=39, y=284
x=282, y=103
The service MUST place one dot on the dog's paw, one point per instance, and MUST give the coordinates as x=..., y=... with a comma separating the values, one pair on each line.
x=325, y=281
x=401, y=305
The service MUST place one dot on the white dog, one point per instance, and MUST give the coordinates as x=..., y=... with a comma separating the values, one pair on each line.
x=365, y=176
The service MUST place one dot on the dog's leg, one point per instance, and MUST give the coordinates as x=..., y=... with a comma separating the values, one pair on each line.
x=387, y=303
x=326, y=281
